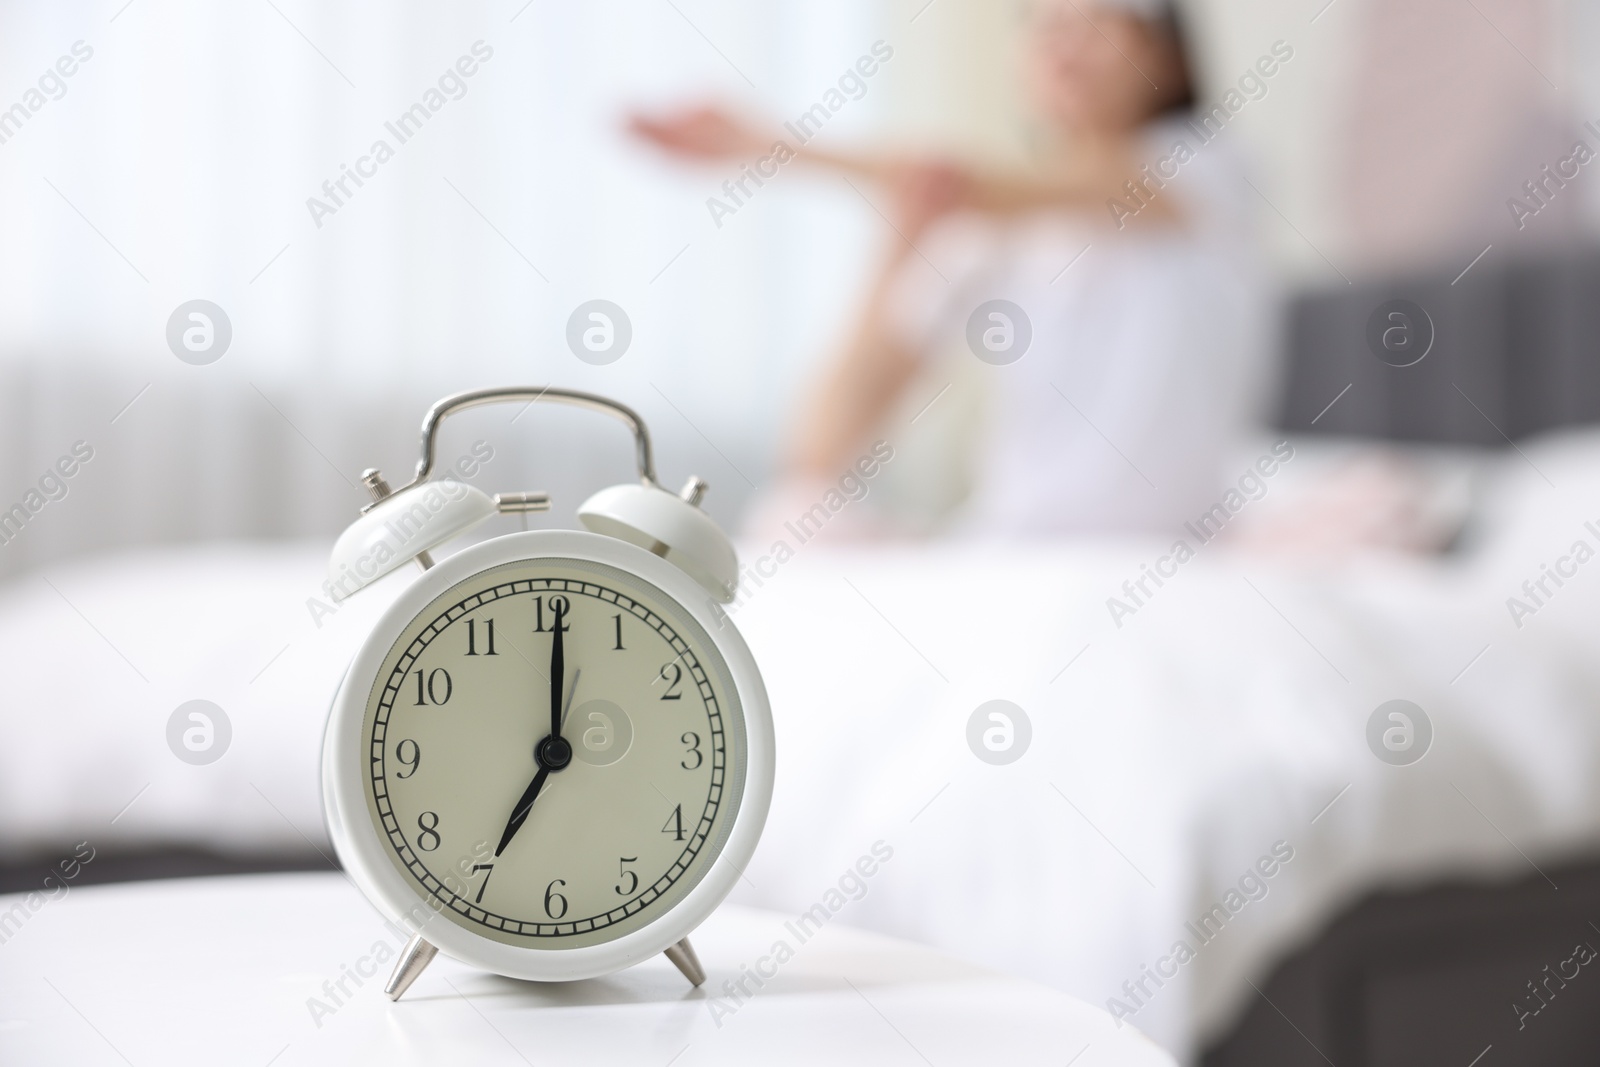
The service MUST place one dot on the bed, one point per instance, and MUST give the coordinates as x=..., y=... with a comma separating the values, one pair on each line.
x=1177, y=752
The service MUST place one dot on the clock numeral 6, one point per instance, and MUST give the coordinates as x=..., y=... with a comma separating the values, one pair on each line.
x=693, y=741
x=554, y=900
x=412, y=762
x=437, y=682
x=633, y=879
x=429, y=830
x=672, y=674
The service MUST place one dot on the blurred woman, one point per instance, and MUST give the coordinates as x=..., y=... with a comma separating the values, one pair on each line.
x=1122, y=349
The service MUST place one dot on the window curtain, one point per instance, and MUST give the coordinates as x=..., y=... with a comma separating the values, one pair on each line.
x=231, y=152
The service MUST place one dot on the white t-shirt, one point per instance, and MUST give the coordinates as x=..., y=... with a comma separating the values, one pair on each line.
x=1145, y=359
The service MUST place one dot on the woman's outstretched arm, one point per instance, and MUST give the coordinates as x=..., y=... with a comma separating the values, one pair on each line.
x=1098, y=170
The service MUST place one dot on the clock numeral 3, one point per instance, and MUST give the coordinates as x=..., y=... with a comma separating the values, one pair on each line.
x=693, y=741
x=472, y=637
x=554, y=901
x=430, y=830
x=438, y=681
x=673, y=679
x=633, y=879
x=675, y=824
x=412, y=761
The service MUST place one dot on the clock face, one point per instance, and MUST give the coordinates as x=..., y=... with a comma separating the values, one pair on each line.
x=553, y=834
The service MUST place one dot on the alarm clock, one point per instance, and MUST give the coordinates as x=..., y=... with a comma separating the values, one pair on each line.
x=553, y=755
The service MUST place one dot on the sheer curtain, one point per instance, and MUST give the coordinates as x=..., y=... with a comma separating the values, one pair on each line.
x=177, y=160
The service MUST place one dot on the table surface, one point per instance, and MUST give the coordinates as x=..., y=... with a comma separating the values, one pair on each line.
x=233, y=971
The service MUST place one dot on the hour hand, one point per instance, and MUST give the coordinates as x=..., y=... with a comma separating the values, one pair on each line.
x=519, y=814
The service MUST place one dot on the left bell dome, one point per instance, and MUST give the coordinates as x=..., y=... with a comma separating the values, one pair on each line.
x=396, y=529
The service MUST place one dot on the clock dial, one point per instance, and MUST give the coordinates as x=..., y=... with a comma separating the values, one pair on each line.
x=555, y=753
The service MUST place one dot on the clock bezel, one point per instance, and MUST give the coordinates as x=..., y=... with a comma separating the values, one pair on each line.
x=363, y=851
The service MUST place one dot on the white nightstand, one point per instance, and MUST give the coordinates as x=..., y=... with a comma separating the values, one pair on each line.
x=248, y=971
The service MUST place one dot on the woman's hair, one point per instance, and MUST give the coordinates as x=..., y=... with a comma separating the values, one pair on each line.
x=1164, y=20
x=1173, y=24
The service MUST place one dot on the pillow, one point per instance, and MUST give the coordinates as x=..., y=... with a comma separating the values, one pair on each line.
x=1335, y=498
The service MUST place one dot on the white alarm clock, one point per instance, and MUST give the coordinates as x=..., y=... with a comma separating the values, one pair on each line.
x=553, y=755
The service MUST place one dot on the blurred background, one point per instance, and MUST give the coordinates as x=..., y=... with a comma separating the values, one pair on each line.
x=177, y=164
x=1427, y=155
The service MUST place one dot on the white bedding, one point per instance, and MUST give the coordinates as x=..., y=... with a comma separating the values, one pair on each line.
x=1171, y=755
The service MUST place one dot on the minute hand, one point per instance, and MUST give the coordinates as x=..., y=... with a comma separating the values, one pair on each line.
x=558, y=671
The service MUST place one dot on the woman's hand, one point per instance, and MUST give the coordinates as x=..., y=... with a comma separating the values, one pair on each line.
x=707, y=133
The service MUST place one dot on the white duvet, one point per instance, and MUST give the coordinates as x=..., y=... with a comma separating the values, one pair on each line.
x=1199, y=775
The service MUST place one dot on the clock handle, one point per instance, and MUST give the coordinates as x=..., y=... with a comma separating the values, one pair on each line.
x=414, y=959
x=644, y=455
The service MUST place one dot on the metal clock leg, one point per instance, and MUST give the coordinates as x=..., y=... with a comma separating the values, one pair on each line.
x=683, y=957
x=413, y=961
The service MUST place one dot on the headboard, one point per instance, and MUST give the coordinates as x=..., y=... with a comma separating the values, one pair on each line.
x=1516, y=351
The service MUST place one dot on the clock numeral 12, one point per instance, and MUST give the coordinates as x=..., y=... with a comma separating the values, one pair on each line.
x=559, y=605
x=472, y=637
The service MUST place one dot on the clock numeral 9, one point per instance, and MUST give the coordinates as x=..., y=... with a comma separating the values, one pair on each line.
x=633, y=879
x=693, y=741
x=438, y=681
x=558, y=605
x=554, y=900
x=672, y=674
x=429, y=830
x=412, y=762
